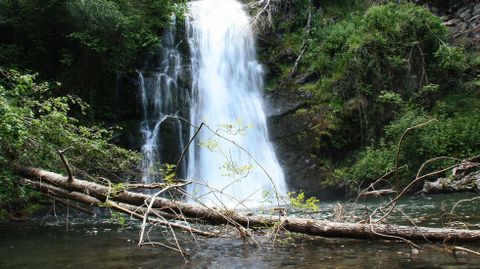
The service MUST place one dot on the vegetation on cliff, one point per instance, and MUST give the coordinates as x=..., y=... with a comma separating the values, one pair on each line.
x=368, y=73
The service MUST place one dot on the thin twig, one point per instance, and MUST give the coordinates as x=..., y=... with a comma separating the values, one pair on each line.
x=187, y=146
x=391, y=236
x=462, y=201
x=391, y=205
x=153, y=244
x=126, y=210
x=399, y=146
x=304, y=46
x=455, y=249
x=236, y=145
x=150, y=205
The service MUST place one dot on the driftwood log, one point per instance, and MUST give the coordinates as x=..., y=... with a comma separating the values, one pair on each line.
x=93, y=194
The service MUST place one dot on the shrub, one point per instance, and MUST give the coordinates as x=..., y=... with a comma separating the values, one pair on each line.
x=34, y=125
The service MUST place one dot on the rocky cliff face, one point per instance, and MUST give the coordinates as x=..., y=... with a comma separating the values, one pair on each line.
x=463, y=17
x=295, y=147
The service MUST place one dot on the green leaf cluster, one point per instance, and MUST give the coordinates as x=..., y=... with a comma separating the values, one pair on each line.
x=455, y=133
x=84, y=44
x=371, y=63
x=300, y=202
x=35, y=124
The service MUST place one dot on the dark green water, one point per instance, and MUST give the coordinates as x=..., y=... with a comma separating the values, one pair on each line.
x=102, y=245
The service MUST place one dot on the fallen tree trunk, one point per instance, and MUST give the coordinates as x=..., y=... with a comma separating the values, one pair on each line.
x=133, y=211
x=99, y=193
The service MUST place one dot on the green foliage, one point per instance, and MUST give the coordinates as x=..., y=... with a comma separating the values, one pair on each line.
x=298, y=202
x=116, y=189
x=118, y=28
x=391, y=97
x=430, y=88
x=118, y=218
x=456, y=135
x=229, y=168
x=450, y=59
x=84, y=44
x=370, y=71
x=369, y=62
x=168, y=172
x=371, y=163
x=211, y=144
x=233, y=169
x=35, y=124
x=10, y=190
x=237, y=128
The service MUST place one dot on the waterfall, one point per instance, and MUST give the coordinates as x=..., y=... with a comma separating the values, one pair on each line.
x=161, y=96
x=226, y=95
x=238, y=164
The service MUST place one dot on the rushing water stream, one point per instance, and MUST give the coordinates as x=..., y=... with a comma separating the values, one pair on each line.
x=227, y=80
x=107, y=246
x=161, y=96
x=238, y=162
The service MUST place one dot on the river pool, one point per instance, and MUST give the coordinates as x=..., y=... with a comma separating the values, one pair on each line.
x=103, y=244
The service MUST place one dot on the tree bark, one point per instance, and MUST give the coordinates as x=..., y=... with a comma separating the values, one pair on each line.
x=133, y=211
x=92, y=194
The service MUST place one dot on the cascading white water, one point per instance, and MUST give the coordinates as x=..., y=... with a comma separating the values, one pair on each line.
x=160, y=97
x=227, y=80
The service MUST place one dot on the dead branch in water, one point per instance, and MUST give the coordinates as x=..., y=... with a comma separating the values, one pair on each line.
x=457, y=249
x=97, y=194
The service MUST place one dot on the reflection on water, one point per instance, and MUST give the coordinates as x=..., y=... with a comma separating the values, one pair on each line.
x=101, y=245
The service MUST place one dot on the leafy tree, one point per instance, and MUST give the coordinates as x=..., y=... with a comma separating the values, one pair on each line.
x=34, y=125
x=82, y=43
